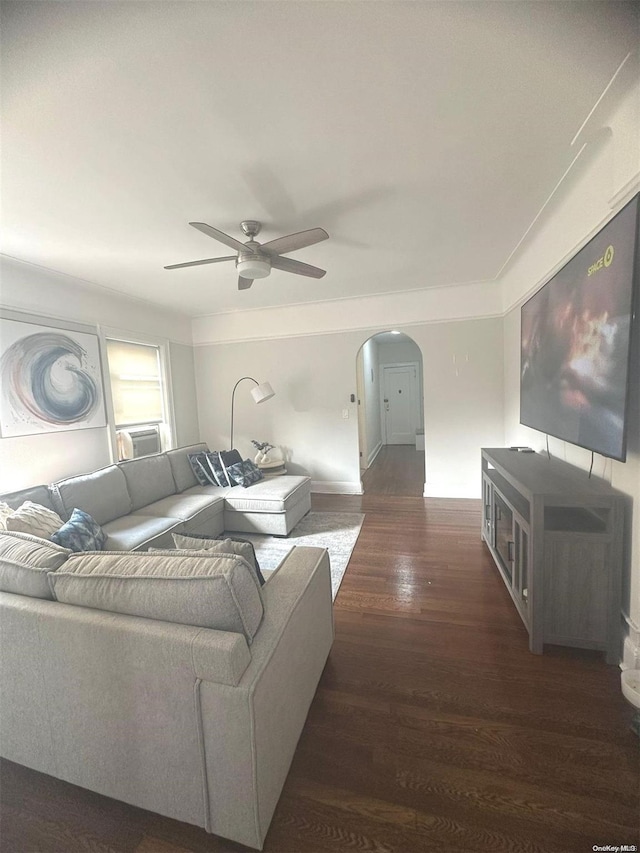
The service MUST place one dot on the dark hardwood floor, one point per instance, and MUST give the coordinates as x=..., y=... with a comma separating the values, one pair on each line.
x=397, y=470
x=433, y=729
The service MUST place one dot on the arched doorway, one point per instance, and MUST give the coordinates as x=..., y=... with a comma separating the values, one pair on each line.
x=390, y=415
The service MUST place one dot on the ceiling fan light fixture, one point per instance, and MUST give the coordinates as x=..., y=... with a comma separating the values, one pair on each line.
x=254, y=267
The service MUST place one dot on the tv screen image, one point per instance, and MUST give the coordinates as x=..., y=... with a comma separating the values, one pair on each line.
x=576, y=342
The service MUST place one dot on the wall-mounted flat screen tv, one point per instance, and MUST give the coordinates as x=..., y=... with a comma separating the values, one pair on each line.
x=576, y=342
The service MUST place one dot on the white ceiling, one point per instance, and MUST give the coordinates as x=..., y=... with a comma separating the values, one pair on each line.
x=423, y=136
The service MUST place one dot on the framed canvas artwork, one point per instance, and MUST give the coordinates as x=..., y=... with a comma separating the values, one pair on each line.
x=50, y=380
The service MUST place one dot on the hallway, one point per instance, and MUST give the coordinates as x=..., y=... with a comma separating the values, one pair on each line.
x=397, y=470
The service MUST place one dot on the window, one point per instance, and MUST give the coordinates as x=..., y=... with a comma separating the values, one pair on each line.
x=139, y=405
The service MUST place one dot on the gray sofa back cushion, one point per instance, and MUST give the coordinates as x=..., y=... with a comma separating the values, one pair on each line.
x=38, y=494
x=179, y=460
x=149, y=479
x=209, y=591
x=103, y=494
x=25, y=562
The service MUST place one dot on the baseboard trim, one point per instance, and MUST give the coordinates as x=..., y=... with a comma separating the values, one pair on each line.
x=336, y=487
x=631, y=644
x=372, y=456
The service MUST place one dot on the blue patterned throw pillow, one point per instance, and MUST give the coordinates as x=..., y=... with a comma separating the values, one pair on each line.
x=245, y=473
x=201, y=469
x=214, y=461
x=208, y=468
x=80, y=533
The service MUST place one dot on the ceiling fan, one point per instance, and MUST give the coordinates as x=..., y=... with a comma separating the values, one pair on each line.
x=255, y=260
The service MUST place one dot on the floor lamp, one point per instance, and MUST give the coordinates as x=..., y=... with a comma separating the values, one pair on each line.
x=263, y=391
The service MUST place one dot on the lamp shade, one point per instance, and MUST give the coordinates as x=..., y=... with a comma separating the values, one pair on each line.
x=254, y=267
x=262, y=392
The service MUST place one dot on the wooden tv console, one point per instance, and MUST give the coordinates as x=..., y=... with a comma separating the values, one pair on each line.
x=556, y=537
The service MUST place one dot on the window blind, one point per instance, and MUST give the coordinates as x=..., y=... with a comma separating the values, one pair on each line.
x=136, y=383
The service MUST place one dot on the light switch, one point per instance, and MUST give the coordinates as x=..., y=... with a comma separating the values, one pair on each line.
x=345, y=414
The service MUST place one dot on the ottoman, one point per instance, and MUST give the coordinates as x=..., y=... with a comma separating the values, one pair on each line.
x=272, y=506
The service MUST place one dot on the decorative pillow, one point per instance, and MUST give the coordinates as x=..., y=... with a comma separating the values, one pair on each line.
x=227, y=545
x=208, y=469
x=217, y=469
x=245, y=473
x=80, y=533
x=209, y=591
x=25, y=563
x=5, y=511
x=229, y=458
x=35, y=519
x=202, y=474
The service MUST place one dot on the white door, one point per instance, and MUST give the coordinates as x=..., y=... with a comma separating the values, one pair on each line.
x=400, y=404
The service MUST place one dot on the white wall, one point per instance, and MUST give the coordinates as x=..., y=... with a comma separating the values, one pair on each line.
x=463, y=401
x=32, y=290
x=313, y=377
x=185, y=403
x=371, y=388
x=603, y=179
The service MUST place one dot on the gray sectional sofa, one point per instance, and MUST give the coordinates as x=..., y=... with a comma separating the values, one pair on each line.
x=141, y=502
x=171, y=681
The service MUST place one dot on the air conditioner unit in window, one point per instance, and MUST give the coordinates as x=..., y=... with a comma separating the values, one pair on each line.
x=145, y=440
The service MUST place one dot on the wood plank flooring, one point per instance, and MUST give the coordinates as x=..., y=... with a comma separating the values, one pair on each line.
x=434, y=730
x=397, y=470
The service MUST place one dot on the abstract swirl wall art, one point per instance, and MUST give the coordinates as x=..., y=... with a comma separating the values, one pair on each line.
x=50, y=380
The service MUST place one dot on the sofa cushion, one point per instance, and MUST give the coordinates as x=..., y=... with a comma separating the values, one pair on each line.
x=274, y=494
x=33, y=518
x=185, y=507
x=103, y=494
x=25, y=562
x=206, y=591
x=80, y=533
x=227, y=545
x=148, y=479
x=137, y=531
x=183, y=476
x=38, y=494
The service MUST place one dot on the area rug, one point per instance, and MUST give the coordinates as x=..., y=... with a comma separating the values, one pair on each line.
x=335, y=531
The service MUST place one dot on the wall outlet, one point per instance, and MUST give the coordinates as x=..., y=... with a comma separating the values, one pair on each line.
x=345, y=414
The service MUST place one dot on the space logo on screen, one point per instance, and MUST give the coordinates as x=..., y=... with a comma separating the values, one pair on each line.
x=575, y=342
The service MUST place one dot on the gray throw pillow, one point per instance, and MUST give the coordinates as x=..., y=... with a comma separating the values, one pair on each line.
x=228, y=545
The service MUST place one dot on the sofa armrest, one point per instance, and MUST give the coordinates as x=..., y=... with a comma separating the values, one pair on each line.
x=248, y=757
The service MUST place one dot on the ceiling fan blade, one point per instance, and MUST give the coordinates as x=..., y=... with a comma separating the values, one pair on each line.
x=289, y=265
x=197, y=263
x=220, y=236
x=244, y=283
x=295, y=241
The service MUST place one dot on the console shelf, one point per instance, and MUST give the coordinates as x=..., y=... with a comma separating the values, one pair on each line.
x=556, y=537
